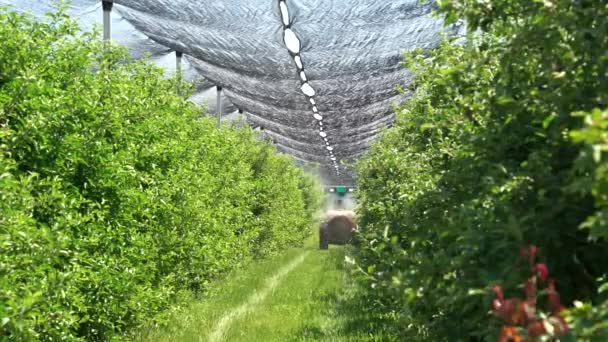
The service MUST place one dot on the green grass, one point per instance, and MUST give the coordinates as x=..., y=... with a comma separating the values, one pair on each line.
x=316, y=301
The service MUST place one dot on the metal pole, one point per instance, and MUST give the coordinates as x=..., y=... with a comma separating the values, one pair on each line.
x=178, y=71
x=107, y=18
x=241, y=117
x=178, y=64
x=219, y=106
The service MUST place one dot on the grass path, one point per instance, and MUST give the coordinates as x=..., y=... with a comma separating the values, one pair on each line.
x=220, y=329
x=303, y=295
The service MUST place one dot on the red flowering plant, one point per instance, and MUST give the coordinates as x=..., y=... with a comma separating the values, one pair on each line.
x=522, y=319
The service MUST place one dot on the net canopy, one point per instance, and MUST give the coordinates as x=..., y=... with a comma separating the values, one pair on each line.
x=318, y=76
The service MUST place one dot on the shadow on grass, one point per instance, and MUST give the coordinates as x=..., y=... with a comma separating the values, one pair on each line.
x=347, y=309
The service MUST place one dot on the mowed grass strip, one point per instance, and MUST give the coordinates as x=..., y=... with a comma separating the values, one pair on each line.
x=297, y=309
x=314, y=301
x=195, y=322
x=317, y=301
x=255, y=299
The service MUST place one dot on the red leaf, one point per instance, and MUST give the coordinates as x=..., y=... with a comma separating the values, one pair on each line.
x=542, y=271
x=512, y=311
x=536, y=329
x=555, y=304
x=530, y=289
x=498, y=292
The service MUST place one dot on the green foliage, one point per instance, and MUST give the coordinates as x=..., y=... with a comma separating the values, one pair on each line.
x=589, y=322
x=116, y=195
x=593, y=160
x=501, y=145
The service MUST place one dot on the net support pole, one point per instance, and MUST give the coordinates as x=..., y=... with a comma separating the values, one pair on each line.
x=107, y=19
x=219, y=106
x=241, y=117
x=178, y=64
x=178, y=70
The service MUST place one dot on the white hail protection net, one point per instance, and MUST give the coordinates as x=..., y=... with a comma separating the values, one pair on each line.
x=319, y=76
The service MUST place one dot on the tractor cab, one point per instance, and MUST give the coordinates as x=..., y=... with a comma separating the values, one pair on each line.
x=338, y=196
